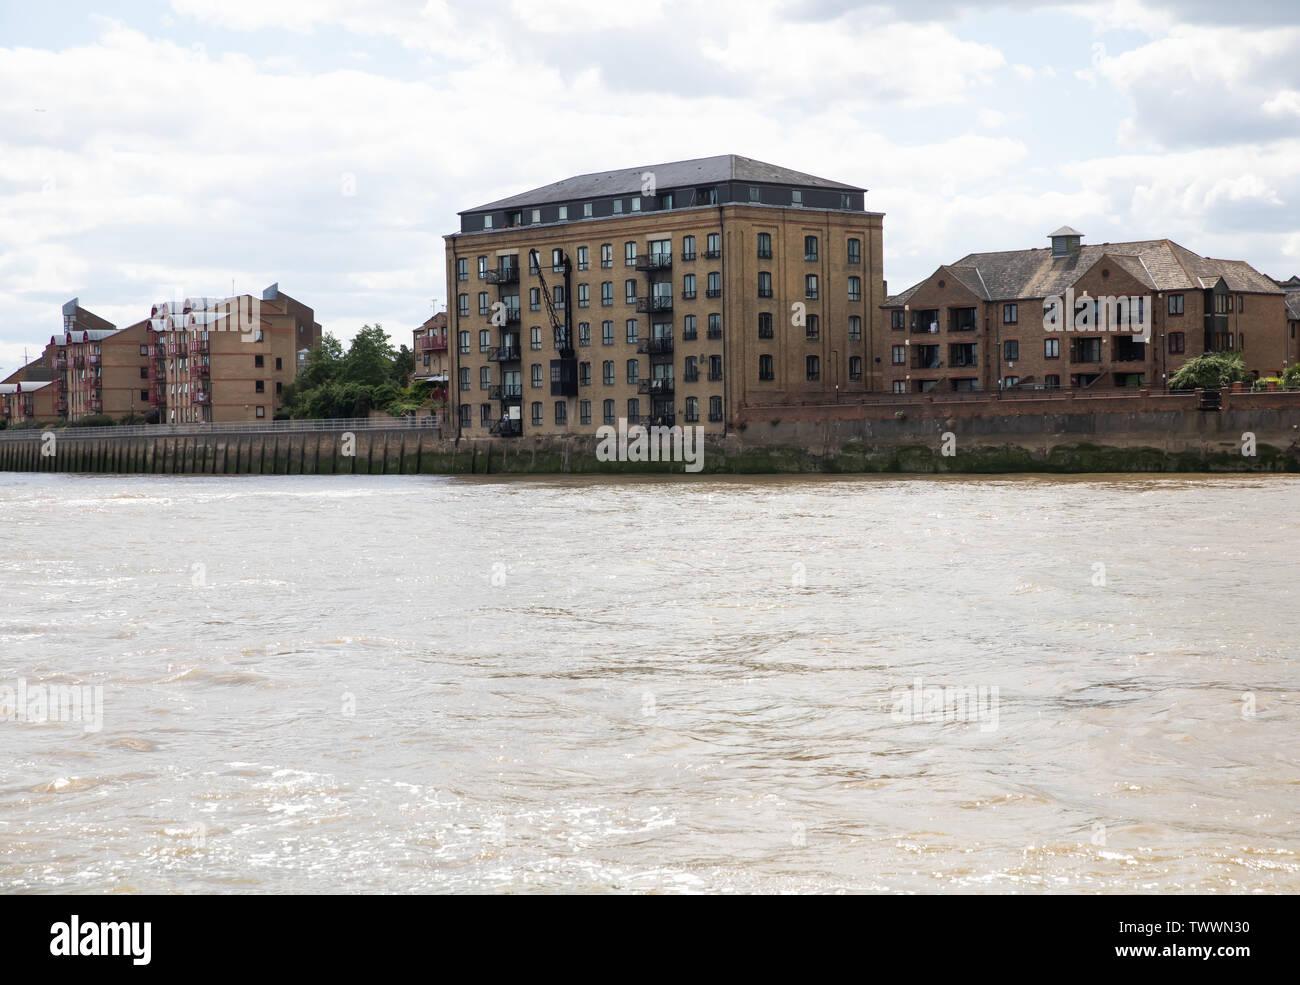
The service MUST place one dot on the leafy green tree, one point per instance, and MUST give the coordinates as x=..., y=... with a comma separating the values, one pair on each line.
x=1210, y=371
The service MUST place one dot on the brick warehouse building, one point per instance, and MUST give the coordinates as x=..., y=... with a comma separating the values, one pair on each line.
x=697, y=287
x=977, y=323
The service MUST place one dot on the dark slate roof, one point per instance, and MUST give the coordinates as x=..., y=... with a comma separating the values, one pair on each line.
x=677, y=174
x=1293, y=304
x=1160, y=264
x=1066, y=231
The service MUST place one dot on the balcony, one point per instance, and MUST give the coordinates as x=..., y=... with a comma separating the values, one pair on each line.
x=691, y=375
x=431, y=343
x=713, y=292
x=503, y=275
x=96, y=405
x=688, y=295
x=925, y=321
x=962, y=320
x=649, y=262
x=199, y=347
x=926, y=357
x=512, y=316
x=712, y=254
x=506, y=428
x=61, y=364
x=714, y=333
x=666, y=419
x=660, y=302
x=78, y=362
x=202, y=368
x=504, y=354
x=61, y=405
x=506, y=391
x=656, y=347
x=202, y=396
x=60, y=385
x=157, y=399
x=95, y=359
x=688, y=255
x=661, y=387
x=715, y=416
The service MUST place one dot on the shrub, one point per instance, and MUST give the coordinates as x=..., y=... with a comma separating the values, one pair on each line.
x=1209, y=372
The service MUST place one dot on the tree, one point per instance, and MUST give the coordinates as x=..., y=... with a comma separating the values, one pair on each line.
x=1210, y=371
x=370, y=358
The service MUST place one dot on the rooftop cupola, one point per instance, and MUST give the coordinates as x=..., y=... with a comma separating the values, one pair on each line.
x=1065, y=241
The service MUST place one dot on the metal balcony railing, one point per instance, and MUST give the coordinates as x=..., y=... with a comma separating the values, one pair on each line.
x=661, y=302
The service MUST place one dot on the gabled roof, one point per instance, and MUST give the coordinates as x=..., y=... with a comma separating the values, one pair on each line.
x=1160, y=264
x=676, y=174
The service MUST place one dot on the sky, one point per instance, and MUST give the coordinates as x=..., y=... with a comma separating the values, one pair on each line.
x=169, y=148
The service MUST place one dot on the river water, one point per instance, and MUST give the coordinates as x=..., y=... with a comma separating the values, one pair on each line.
x=413, y=684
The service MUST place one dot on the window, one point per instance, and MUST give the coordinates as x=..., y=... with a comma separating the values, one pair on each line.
x=537, y=412
x=812, y=327
x=561, y=412
x=633, y=410
x=482, y=267
x=584, y=296
x=855, y=328
x=466, y=415
x=557, y=295
x=813, y=368
x=666, y=201
x=753, y=193
x=144, y=372
x=1011, y=381
x=692, y=409
x=606, y=255
x=810, y=247
x=715, y=326
x=487, y=222
x=629, y=292
x=796, y=198
x=563, y=213
x=706, y=196
x=765, y=368
x=636, y=204
x=855, y=251
x=586, y=210
x=715, y=408
x=1010, y=314
x=607, y=333
x=584, y=374
x=258, y=361
x=462, y=268
x=810, y=287
x=484, y=307
x=462, y=305
x=713, y=246
x=485, y=378
x=855, y=288
x=1177, y=343
x=464, y=378
x=557, y=261
x=688, y=247
x=607, y=411
x=606, y=293
x=714, y=290
x=688, y=287
x=1052, y=381
x=261, y=411
x=144, y=394
x=279, y=363
x=1051, y=348
x=689, y=328
x=532, y=263
x=631, y=331
x=715, y=367
x=1175, y=305
x=618, y=206
x=633, y=370
x=690, y=370
x=536, y=373
x=629, y=254
x=899, y=355
x=900, y=386
x=584, y=411
x=535, y=215
x=484, y=340
x=463, y=341
x=765, y=246
x=607, y=372
x=855, y=369
x=535, y=337
x=584, y=333
x=764, y=284
x=582, y=258
x=534, y=299
x=279, y=387
x=896, y=320
x=765, y=325
x=1011, y=349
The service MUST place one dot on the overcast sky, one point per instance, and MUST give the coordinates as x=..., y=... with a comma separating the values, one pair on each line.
x=168, y=148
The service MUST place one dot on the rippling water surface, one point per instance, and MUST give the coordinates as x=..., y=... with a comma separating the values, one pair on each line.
x=402, y=684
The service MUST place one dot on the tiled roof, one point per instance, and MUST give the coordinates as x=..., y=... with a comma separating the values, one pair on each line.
x=1159, y=264
x=676, y=174
x=1293, y=304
